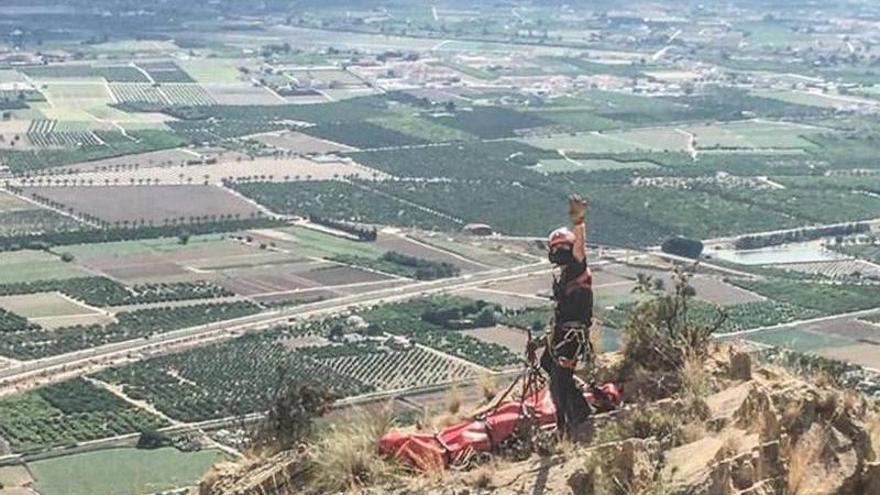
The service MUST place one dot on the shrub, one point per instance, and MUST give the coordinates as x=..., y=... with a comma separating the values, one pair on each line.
x=682, y=246
x=152, y=439
x=660, y=333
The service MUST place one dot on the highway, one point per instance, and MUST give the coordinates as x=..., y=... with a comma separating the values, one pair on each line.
x=65, y=365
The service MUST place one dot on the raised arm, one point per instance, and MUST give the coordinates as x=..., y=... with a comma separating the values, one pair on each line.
x=577, y=210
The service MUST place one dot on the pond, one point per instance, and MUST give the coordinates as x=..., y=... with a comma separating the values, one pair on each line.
x=807, y=252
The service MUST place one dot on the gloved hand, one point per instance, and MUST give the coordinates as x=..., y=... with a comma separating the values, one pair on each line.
x=577, y=209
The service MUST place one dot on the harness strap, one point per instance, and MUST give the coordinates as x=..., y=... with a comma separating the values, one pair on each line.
x=582, y=281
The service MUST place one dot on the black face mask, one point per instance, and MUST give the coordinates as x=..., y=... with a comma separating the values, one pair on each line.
x=560, y=257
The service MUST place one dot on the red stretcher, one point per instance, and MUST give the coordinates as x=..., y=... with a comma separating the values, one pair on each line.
x=453, y=445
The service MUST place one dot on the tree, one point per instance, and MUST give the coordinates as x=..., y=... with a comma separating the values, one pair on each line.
x=152, y=439
x=682, y=246
x=183, y=238
x=67, y=257
x=336, y=333
x=486, y=317
x=291, y=415
x=660, y=333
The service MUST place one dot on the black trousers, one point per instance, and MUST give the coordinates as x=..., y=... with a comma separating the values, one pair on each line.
x=571, y=407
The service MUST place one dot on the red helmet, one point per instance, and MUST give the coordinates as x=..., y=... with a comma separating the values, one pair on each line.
x=561, y=237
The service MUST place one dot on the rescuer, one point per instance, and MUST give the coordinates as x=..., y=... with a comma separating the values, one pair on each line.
x=569, y=340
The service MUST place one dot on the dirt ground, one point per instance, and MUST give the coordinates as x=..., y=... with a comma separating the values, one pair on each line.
x=148, y=159
x=852, y=328
x=716, y=291
x=511, y=338
x=16, y=480
x=339, y=275
x=393, y=242
x=242, y=93
x=53, y=310
x=231, y=167
x=149, y=203
x=303, y=144
x=862, y=354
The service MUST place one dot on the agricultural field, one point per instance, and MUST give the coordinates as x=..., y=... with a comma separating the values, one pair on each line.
x=870, y=252
x=325, y=78
x=19, y=217
x=161, y=95
x=230, y=168
x=48, y=134
x=755, y=315
x=753, y=134
x=362, y=135
x=122, y=471
x=128, y=325
x=388, y=369
x=114, y=144
x=67, y=413
x=403, y=265
x=214, y=71
x=150, y=205
x=492, y=122
x=302, y=144
x=341, y=201
x=165, y=72
x=102, y=292
x=144, y=93
x=29, y=266
x=51, y=310
x=836, y=269
x=567, y=165
x=223, y=380
x=408, y=319
x=824, y=297
x=112, y=73
x=242, y=94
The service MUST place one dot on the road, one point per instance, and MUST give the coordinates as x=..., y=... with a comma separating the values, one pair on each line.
x=65, y=365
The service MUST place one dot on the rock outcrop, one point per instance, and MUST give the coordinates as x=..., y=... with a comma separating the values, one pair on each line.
x=759, y=431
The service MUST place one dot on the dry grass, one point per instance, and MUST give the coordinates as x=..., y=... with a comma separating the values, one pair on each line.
x=483, y=477
x=874, y=433
x=451, y=414
x=346, y=457
x=453, y=400
x=693, y=431
x=595, y=336
x=731, y=447
x=804, y=459
x=694, y=378
x=488, y=386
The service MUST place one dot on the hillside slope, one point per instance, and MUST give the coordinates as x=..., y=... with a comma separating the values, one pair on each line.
x=757, y=429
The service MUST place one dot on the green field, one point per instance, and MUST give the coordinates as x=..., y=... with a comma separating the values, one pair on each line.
x=801, y=98
x=211, y=71
x=311, y=243
x=595, y=142
x=121, y=471
x=555, y=166
x=800, y=340
x=28, y=266
x=753, y=134
x=122, y=248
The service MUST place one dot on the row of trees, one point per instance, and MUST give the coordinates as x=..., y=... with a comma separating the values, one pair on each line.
x=365, y=233
x=424, y=269
x=800, y=235
x=131, y=232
